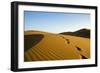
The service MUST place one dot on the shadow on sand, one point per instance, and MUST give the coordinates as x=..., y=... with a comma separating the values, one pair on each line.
x=32, y=40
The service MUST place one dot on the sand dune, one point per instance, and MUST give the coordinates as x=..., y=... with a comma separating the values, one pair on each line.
x=81, y=33
x=43, y=46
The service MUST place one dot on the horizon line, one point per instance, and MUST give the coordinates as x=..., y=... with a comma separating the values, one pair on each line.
x=55, y=32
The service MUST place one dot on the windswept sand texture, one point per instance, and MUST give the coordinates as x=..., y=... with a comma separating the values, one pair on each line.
x=43, y=46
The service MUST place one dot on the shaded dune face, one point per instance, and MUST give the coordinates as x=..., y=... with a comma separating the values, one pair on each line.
x=42, y=46
x=31, y=40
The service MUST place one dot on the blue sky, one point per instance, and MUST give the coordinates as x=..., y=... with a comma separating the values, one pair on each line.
x=55, y=22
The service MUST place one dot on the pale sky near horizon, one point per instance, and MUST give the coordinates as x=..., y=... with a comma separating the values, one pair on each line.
x=55, y=22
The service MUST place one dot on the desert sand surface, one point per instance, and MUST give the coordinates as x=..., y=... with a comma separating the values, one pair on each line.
x=44, y=46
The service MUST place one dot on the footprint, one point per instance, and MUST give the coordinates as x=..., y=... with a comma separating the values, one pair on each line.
x=83, y=57
x=67, y=41
x=78, y=48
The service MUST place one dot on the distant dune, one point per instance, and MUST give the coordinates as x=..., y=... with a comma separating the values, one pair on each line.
x=81, y=33
x=44, y=46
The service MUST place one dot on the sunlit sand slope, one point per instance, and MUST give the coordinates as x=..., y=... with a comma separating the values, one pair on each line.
x=43, y=46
